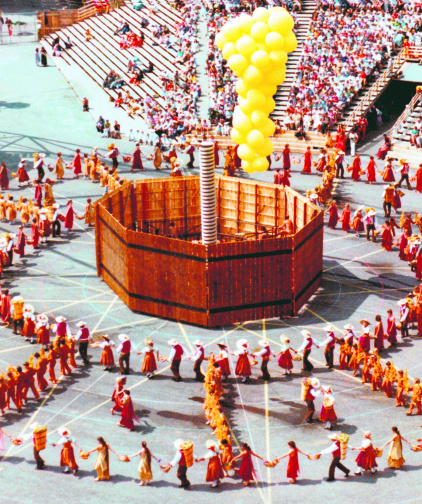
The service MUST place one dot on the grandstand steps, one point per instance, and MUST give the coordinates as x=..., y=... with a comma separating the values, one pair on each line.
x=103, y=54
x=303, y=19
x=26, y=6
x=406, y=151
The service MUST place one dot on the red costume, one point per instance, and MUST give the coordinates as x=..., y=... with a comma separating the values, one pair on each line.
x=370, y=171
x=285, y=360
x=333, y=219
x=77, y=165
x=356, y=167
x=388, y=175
x=5, y=307
x=137, y=160
x=117, y=397
x=35, y=235
x=293, y=469
x=403, y=245
x=345, y=219
x=246, y=470
x=38, y=195
x=391, y=329
x=22, y=175
x=20, y=248
x=307, y=162
x=284, y=179
x=243, y=366
x=52, y=359
x=68, y=219
x=379, y=336
x=387, y=238
x=128, y=414
x=4, y=178
x=286, y=158
x=418, y=178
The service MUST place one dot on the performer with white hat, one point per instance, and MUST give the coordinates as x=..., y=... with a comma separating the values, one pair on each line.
x=329, y=343
x=198, y=356
x=243, y=366
x=306, y=347
x=84, y=337
x=43, y=330
x=327, y=414
x=149, y=365
x=371, y=224
x=175, y=357
x=124, y=349
x=285, y=360
x=29, y=328
x=265, y=353
x=310, y=397
x=67, y=456
x=335, y=463
x=215, y=468
x=404, y=317
x=223, y=360
x=349, y=338
x=180, y=460
x=62, y=328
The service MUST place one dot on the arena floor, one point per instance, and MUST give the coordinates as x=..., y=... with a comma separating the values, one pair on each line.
x=40, y=113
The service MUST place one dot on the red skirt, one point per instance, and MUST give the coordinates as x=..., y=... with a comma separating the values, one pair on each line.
x=107, y=357
x=293, y=470
x=149, y=365
x=243, y=366
x=215, y=469
x=366, y=459
x=224, y=366
x=43, y=336
x=327, y=415
x=285, y=361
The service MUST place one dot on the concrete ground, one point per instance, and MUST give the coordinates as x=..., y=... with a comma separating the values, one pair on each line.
x=40, y=113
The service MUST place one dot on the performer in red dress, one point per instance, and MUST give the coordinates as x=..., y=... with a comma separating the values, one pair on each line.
x=6, y=306
x=388, y=173
x=77, y=164
x=243, y=366
x=246, y=470
x=69, y=217
x=149, y=365
x=38, y=194
x=391, y=328
x=284, y=179
x=137, y=159
x=307, y=161
x=286, y=157
x=366, y=460
x=387, y=237
x=22, y=173
x=327, y=414
x=118, y=393
x=4, y=177
x=35, y=234
x=223, y=361
x=285, y=361
x=345, y=218
x=293, y=469
x=21, y=242
x=370, y=170
x=356, y=168
x=379, y=333
x=403, y=242
x=128, y=413
x=418, y=179
x=333, y=212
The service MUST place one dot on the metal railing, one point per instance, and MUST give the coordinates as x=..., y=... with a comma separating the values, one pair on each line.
x=407, y=111
x=375, y=91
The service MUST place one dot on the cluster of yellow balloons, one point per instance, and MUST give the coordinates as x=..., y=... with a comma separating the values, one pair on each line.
x=256, y=48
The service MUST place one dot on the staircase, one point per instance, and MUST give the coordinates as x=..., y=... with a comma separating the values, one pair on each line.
x=302, y=23
x=19, y=6
x=360, y=106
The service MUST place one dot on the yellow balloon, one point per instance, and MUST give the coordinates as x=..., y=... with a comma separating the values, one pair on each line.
x=246, y=46
x=274, y=41
x=281, y=22
x=241, y=89
x=260, y=164
x=241, y=122
x=268, y=129
x=259, y=118
x=237, y=63
x=259, y=31
x=246, y=166
x=255, y=139
x=237, y=137
x=229, y=49
x=261, y=14
x=269, y=105
x=220, y=40
x=246, y=153
x=252, y=76
x=266, y=148
x=260, y=59
x=268, y=89
x=231, y=31
x=278, y=57
x=257, y=99
x=245, y=22
x=275, y=76
x=278, y=9
x=246, y=107
x=290, y=42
